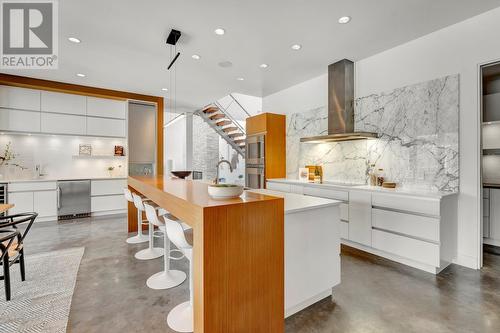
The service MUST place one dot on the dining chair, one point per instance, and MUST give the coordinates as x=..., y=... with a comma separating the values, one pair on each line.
x=13, y=248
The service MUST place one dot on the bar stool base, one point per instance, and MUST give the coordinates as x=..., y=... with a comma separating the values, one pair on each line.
x=137, y=239
x=148, y=253
x=180, y=318
x=166, y=280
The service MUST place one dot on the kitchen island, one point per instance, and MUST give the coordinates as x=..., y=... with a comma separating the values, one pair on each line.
x=312, y=248
x=238, y=266
x=257, y=258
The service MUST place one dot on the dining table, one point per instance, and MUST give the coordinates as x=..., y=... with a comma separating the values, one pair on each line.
x=5, y=207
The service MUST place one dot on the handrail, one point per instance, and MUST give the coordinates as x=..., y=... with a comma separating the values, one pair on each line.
x=241, y=106
x=224, y=110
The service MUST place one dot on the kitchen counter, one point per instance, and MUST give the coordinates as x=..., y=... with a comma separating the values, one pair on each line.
x=53, y=179
x=238, y=265
x=297, y=203
x=397, y=190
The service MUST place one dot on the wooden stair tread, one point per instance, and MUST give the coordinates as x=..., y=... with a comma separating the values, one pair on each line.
x=235, y=135
x=240, y=141
x=223, y=123
x=216, y=116
x=230, y=129
x=211, y=109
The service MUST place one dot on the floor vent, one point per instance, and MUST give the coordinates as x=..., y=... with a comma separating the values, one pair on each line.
x=73, y=216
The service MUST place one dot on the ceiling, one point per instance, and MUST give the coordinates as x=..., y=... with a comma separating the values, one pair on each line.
x=123, y=41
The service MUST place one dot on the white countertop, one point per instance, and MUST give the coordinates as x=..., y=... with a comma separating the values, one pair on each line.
x=53, y=179
x=297, y=203
x=397, y=190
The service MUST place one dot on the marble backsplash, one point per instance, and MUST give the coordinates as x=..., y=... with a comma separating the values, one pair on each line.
x=418, y=144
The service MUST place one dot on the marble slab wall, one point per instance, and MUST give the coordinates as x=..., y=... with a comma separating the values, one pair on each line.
x=418, y=144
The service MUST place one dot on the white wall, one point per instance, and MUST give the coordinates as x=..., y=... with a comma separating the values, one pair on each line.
x=55, y=154
x=460, y=48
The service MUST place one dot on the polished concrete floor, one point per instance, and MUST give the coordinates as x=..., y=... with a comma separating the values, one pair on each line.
x=375, y=295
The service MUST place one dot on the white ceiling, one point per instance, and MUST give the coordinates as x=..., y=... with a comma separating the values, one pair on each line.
x=123, y=41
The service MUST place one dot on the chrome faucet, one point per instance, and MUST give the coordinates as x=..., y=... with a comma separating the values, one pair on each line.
x=218, y=164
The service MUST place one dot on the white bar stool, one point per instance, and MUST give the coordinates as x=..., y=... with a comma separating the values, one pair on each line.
x=167, y=278
x=151, y=252
x=181, y=318
x=140, y=237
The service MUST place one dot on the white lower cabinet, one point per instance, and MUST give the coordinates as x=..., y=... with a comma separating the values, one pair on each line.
x=494, y=216
x=107, y=195
x=22, y=201
x=108, y=203
x=45, y=203
x=419, y=231
x=360, y=217
x=38, y=197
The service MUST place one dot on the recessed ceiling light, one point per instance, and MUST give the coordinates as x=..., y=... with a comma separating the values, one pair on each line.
x=263, y=65
x=219, y=31
x=296, y=47
x=74, y=40
x=344, y=19
x=196, y=57
x=80, y=75
x=240, y=79
x=164, y=89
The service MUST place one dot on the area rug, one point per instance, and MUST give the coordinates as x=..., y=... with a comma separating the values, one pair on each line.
x=42, y=302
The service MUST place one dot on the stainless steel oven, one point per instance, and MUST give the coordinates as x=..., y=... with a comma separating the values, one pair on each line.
x=255, y=176
x=255, y=149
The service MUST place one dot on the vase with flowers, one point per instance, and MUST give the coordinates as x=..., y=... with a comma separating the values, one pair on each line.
x=7, y=159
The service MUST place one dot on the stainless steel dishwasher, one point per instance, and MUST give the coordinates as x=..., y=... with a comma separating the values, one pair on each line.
x=73, y=199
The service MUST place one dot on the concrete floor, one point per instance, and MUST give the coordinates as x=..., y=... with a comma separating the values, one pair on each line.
x=375, y=295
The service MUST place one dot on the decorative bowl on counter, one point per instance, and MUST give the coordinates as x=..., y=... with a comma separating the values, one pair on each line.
x=225, y=191
x=181, y=174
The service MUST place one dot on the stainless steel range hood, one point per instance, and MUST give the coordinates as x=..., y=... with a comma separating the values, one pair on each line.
x=340, y=106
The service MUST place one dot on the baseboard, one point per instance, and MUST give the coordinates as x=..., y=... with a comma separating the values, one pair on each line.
x=393, y=257
x=299, y=307
x=110, y=212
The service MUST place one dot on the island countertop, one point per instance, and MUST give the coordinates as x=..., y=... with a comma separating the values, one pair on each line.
x=297, y=203
x=238, y=265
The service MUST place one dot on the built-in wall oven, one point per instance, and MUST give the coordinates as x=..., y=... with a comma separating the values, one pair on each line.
x=255, y=161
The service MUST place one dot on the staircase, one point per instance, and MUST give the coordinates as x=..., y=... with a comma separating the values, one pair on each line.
x=220, y=119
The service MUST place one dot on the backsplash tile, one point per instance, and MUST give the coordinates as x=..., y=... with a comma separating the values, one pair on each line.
x=418, y=125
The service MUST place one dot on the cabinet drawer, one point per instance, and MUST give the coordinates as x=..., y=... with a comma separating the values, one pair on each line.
x=101, y=107
x=344, y=230
x=19, y=98
x=407, y=203
x=279, y=187
x=105, y=127
x=45, y=203
x=107, y=203
x=297, y=189
x=326, y=193
x=31, y=186
x=22, y=201
x=408, y=224
x=19, y=121
x=344, y=212
x=424, y=252
x=107, y=186
x=63, y=124
x=64, y=103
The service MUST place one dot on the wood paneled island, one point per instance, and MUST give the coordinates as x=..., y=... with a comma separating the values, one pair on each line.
x=238, y=253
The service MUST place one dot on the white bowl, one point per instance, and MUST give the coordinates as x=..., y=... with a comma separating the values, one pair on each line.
x=225, y=191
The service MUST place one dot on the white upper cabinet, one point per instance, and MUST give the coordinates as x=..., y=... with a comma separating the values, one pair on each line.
x=19, y=120
x=19, y=98
x=63, y=103
x=106, y=127
x=109, y=108
x=63, y=124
